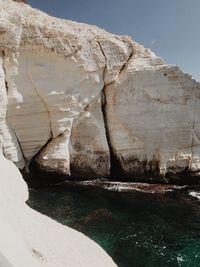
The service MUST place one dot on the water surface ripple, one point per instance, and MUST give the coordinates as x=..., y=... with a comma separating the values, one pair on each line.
x=136, y=229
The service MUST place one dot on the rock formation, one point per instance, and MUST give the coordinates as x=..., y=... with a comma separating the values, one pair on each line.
x=30, y=239
x=84, y=103
x=78, y=101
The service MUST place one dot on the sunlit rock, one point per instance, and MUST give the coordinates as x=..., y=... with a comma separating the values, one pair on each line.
x=145, y=123
x=31, y=239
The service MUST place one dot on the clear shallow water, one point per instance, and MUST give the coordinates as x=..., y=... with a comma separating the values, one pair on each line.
x=136, y=229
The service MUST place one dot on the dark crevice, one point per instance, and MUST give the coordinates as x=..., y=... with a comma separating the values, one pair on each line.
x=42, y=101
x=193, y=128
x=4, y=69
x=127, y=61
x=138, y=171
x=115, y=166
x=88, y=105
x=105, y=58
x=132, y=53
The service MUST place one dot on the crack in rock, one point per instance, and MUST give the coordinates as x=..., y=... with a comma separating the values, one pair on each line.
x=193, y=134
x=115, y=166
x=42, y=100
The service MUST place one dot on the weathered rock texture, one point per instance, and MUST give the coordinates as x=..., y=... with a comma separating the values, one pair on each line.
x=85, y=103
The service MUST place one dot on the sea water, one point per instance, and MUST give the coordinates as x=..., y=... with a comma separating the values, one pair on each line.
x=136, y=229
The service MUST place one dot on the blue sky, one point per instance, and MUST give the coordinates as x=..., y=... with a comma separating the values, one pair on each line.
x=171, y=28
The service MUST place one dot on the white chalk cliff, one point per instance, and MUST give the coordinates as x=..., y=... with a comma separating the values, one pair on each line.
x=80, y=101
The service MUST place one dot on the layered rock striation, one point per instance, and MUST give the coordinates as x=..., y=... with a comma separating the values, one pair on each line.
x=84, y=103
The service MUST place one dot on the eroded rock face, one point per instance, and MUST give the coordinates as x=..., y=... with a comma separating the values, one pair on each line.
x=154, y=126
x=89, y=150
x=85, y=103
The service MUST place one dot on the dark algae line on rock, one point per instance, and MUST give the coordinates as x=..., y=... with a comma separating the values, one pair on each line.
x=136, y=229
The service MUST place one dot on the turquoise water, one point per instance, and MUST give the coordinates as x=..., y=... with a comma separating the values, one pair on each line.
x=136, y=229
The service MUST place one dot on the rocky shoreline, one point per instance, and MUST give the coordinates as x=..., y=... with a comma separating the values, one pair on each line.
x=79, y=102
x=31, y=239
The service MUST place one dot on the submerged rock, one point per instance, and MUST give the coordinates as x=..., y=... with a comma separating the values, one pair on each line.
x=81, y=102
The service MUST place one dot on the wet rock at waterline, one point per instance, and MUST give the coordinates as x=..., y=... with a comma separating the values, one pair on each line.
x=79, y=101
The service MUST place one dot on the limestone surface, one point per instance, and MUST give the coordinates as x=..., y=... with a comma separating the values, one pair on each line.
x=85, y=103
x=89, y=150
x=30, y=239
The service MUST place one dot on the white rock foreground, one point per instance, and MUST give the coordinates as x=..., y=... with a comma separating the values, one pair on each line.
x=30, y=239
